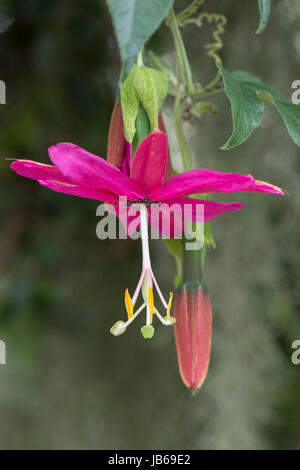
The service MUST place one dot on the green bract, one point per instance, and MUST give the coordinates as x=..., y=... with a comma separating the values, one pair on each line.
x=151, y=87
x=130, y=105
x=159, y=63
x=143, y=86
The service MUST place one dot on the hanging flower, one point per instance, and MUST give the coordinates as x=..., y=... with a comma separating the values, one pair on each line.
x=80, y=173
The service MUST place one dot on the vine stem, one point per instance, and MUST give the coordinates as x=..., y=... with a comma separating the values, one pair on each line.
x=206, y=92
x=181, y=50
x=182, y=65
x=188, y=11
x=183, y=145
x=214, y=80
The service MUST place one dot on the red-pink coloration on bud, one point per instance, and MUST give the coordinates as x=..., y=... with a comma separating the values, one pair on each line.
x=116, y=140
x=119, y=150
x=193, y=333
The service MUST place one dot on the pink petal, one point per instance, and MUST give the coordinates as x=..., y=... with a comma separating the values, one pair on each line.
x=263, y=187
x=169, y=223
x=168, y=217
x=84, y=168
x=150, y=160
x=201, y=181
x=81, y=191
x=211, y=208
x=50, y=176
x=37, y=170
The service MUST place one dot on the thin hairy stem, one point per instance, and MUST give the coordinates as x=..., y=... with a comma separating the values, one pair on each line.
x=183, y=145
x=206, y=92
x=181, y=50
x=188, y=11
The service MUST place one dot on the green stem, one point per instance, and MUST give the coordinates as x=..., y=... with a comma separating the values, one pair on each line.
x=183, y=145
x=215, y=80
x=192, y=265
x=181, y=50
x=188, y=11
x=206, y=91
x=190, y=269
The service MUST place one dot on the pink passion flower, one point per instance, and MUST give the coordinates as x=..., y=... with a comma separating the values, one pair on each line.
x=141, y=183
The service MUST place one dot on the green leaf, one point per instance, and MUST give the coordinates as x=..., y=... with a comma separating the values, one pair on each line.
x=246, y=92
x=264, y=11
x=246, y=107
x=289, y=112
x=291, y=115
x=151, y=88
x=130, y=105
x=135, y=21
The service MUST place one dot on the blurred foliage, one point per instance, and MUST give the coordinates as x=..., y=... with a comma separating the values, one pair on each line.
x=67, y=382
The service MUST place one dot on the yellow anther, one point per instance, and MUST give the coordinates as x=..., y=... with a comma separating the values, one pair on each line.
x=128, y=304
x=169, y=305
x=151, y=300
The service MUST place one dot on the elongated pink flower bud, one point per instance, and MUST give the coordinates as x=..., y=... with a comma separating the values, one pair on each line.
x=193, y=333
x=116, y=140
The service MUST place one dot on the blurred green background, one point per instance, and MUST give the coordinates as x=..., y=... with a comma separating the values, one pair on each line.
x=68, y=383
